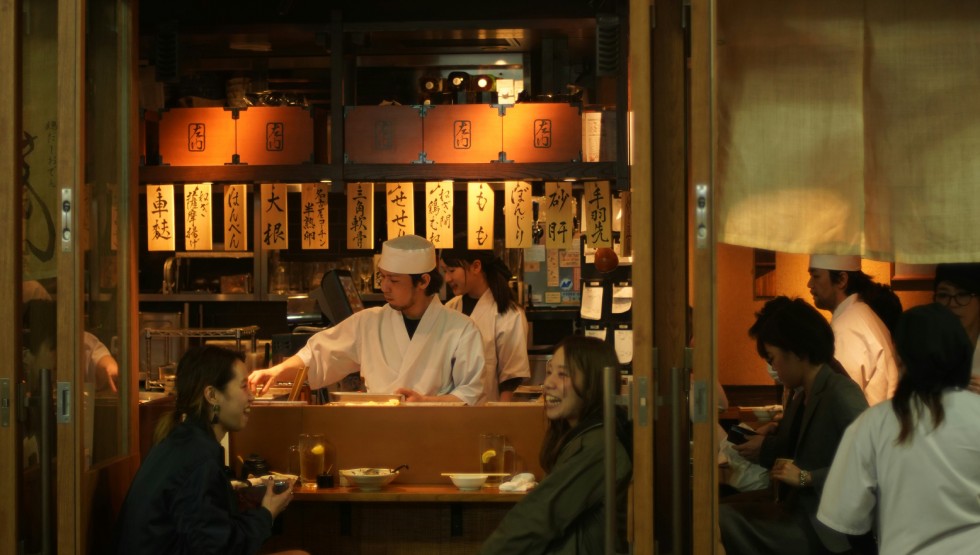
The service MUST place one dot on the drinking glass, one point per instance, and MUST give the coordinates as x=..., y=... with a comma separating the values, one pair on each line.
x=312, y=448
x=493, y=449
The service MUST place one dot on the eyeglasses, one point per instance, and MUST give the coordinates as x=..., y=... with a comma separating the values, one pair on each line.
x=957, y=299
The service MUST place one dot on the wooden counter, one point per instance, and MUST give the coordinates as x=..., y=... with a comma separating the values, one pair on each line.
x=413, y=493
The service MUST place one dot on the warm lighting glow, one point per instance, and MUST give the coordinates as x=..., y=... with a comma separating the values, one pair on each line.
x=274, y=216
x=236, y=217
x=518, y=215
x=360, y=216
x=400, y=211
x=559, y=213
x=439, y=213
x=479, y=216
x=197, y=217
x=160, y=218
x=314, y=219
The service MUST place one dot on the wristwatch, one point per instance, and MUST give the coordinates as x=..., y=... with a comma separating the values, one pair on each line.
x=804, y=478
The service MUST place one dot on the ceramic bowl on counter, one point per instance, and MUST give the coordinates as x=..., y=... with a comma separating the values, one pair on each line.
x=368, y=479
x=468, y=482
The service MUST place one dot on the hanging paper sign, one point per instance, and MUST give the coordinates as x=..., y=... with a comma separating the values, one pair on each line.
x=274, y=218
x=314, y=215
x=236, y=218
x=439, y=213
x=479, y=217
x=560, y=215
x=598, y=214
x=360, y=215
x=160, y=218
x=518, y=215
x=400, y=209
x=197, y=217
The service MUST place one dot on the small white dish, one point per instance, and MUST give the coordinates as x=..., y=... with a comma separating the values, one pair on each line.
x=368, y=479
x=468, y=482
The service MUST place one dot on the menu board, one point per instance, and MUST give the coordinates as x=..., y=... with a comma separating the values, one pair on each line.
x=274, y=215
x=439, y=213
x=560, y=214
x=518, y=215
x=479, y=217
x=360, y=215
x=160, y=218
x=315, y=216
x=400, y=211
x=598, y=214
x=197, y=217
x=236, y=218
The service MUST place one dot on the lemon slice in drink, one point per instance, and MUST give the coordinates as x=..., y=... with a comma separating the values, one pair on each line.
x=317, y=450
x=487, y=455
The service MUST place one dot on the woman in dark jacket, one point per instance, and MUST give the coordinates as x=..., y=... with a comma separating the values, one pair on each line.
x=565, y=513
x=181, y=500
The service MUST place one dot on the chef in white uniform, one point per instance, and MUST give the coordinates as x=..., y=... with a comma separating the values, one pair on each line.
x=480, y=282
x=862, y=343
x=413, y=345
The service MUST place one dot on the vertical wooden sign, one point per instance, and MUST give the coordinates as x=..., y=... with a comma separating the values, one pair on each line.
x=314, y=217
x=274, y=216
x=560, y=215
x=400, y=209
x=360, y=215
x=236, y=218
x=160, y=218
x=197, y=217
x=598, y=214
x=479, y=217
x=439, y=213
x=518, y=215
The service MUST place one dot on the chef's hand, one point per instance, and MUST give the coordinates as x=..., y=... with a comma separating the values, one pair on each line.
x=785, y=471
x=265, y=378
x=276, y=502
x=751, y=448
x=411, y=396
x=975, y=384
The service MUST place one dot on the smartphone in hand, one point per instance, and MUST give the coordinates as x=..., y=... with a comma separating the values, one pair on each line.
x=739, y=435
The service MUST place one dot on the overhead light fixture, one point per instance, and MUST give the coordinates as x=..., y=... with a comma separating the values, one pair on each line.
x=483, y=83
x=458, y=81
x=430, y=85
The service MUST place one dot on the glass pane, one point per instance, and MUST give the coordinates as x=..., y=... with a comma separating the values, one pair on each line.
x=99, y=239
x=40, y=266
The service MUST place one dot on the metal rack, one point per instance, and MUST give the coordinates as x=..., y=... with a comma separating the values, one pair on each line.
x=169, y=334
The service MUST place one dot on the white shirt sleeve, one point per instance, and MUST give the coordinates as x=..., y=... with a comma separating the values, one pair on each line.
x=511, y=345
x=332, y=353
x=850, y=494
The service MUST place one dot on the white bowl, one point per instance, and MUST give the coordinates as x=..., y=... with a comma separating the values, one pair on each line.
x=468, y=482
x=368, y=479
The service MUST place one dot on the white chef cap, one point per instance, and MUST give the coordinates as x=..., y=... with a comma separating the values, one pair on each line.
x=408, y=254
x=840, y=263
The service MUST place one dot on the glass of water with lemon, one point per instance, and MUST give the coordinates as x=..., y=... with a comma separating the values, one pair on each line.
x=492, y=455
x=312, y=448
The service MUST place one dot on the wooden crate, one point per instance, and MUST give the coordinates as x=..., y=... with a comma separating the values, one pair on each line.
x=462, y=133
x=271, y=135
x=382, y=134
x=545, y=132
x=197, y=137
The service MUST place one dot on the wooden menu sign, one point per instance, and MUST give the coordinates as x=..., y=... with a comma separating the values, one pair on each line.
x=400, y=200
x=274, y=216
x=518, y=215
x=197, y=217
x=160, y=218
x=560, y=215
x=598, y=214
x=236, y=218
x=479, y=217
x=313, y=218
x=360, y=215
x=439, y=213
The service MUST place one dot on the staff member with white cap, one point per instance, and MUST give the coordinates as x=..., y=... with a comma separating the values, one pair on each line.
x=862, y=343
x=413, y=345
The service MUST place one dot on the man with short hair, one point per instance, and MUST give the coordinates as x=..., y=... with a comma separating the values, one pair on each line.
x=413, y=345
x=862, y=343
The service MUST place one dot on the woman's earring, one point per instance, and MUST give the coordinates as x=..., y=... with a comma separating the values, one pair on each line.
x=214, y=415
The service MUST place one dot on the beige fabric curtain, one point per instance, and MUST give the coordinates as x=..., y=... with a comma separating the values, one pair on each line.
x=849, y=127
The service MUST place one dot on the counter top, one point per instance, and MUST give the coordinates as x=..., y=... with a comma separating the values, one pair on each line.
x=418, y=493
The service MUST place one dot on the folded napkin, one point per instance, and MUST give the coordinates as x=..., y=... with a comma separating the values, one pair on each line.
x=519, y=483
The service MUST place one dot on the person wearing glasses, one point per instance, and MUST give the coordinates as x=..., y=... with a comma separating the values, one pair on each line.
x=957, y=287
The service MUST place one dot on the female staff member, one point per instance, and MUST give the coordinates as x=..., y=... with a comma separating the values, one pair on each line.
x=181, y=500
x=566, y=511
x=909, y=465
x=957, y=287
x=799, y=344
x=480, y=282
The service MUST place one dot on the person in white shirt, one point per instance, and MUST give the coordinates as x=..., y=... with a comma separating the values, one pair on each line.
x=909, y=467
x=862, y=342
x=413, y=345
x=480, y=281
x=957, y=287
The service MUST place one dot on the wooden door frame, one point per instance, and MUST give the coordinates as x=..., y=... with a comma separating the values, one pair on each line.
x=11, y=271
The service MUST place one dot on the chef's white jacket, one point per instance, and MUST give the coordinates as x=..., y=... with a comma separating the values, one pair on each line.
x=444, y=356
x=863, y=346
x=921, y=495
x=504, y=342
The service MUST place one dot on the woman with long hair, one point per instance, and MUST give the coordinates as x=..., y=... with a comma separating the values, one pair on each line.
x=566, y=511
x=481, y=282
x=181, y=500
x=909, y=466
